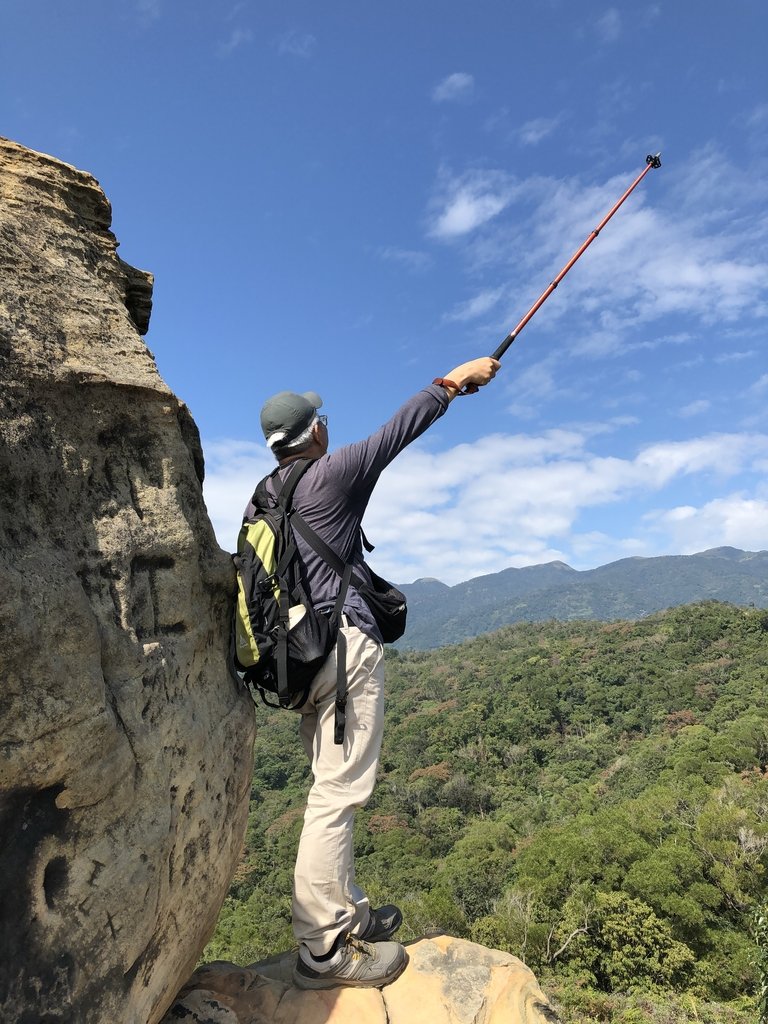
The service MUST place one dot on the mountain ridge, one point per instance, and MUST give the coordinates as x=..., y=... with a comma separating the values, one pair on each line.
x=629, y=588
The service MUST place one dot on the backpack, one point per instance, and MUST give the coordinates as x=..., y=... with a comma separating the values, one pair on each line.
x=280, y=641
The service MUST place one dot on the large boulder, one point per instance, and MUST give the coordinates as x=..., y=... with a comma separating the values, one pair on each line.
x=447, y=981
x=125, y=744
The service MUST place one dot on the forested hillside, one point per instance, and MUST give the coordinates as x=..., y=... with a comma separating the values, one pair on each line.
x=592, y=797
x=627, y=589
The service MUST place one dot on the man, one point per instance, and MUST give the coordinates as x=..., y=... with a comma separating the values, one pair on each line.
x=342, y=940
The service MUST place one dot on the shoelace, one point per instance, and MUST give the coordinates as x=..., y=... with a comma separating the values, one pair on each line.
x=359, y=946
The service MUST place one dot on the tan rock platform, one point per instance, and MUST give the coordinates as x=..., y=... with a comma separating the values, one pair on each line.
x=448, y=981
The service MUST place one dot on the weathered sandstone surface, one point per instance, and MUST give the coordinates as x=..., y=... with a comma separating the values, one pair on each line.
x=125, y=746
x=447, y=981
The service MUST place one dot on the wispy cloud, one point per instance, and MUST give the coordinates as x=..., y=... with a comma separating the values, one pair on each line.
x=757, y=117
x=457, y=86
x=296, y=44
x=756, y=123
x=149, y=10
x=734, y=357
x=760, y=387
x=533, y=132
x=696, y=408
x=693, y=251
x=237, y=37
x=650, y=14
x=535, y=384
x=608, y=26
x=414, y=260
x=478, y=305
x=466, y=202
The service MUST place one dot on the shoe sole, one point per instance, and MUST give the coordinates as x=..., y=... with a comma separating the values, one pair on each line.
x=303, y=982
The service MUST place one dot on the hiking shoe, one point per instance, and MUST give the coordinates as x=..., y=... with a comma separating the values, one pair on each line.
x=382, y=924
x=356, y=963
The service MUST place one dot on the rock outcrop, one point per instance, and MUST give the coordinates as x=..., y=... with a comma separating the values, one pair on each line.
x=448, y=981
x=125, y=745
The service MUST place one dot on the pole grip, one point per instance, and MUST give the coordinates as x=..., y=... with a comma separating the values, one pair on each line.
x=504, y=345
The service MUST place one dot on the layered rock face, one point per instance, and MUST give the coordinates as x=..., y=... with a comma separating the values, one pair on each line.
x=125, y=745
x=447, y=981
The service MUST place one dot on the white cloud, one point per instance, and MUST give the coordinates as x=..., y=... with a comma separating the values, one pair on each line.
x=609, y=26
x=149, y=10
x=760, y=387
x=537, y=381
x=723, y=454
x=756, y=122
x=238, y=7
x=412, y=259
x=734, y=357
x=459, y=85
x=469, y=201
x=237, y=37
x=733, y=521
x=477, y=306
x=513, y=498
x=533, y=132
x=232, y=470
x=296, y=44
x=651, y=13
x=519, y=500
x=466, y=211
x=694, y=408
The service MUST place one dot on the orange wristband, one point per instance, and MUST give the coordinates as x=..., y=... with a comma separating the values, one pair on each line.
x=445, y=383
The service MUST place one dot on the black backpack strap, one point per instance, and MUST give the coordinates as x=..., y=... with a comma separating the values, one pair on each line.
x=282, y=492
x=366, y=543
x=340, y=715
x=294, y=704
x=330, y=557
x=320, y=548
x=281, y=648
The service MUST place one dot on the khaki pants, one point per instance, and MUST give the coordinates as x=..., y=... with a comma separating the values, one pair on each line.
x=326, y=900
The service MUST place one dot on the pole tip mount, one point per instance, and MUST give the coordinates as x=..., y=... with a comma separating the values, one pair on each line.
x=654, y=160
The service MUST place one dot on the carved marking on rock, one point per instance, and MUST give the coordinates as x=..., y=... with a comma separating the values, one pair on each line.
x=148, y=617
x=98, y=867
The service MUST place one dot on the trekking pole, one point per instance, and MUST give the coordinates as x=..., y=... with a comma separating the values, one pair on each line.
x=651, y=161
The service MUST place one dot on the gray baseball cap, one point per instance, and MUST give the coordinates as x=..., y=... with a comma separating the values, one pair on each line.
x=285, y=415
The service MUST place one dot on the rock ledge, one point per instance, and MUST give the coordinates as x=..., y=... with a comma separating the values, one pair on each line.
x=448, y=981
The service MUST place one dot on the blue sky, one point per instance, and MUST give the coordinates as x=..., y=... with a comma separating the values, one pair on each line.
x=356, y=197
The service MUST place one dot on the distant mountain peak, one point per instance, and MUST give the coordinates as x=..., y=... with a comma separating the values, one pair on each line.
x=733, y=554
x=629, y=588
